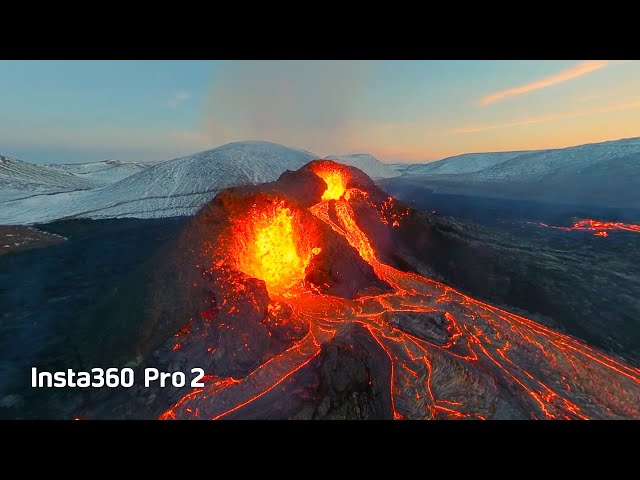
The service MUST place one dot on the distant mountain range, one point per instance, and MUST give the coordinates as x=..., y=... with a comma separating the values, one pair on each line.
x=111, y=189
x=105, y=172
x=605, y=174
x=20, y=179
x=465, y=163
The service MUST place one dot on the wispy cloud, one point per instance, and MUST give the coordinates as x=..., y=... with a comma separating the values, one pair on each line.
x=582, y=68
x=307, y=104
x=179, y=97
x=634, y=104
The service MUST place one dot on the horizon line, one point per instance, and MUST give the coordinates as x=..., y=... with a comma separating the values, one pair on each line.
x=320, y=157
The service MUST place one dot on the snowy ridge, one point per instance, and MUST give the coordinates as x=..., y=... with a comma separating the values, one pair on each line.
x=104, y=172
x=535, y=166
x=19, y=176
x=598, y=174
x=526, y=166
x=465, y=163
x=176, y=187
x=367, y=163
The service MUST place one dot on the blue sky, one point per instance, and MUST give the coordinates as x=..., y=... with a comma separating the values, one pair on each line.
x=81, y=111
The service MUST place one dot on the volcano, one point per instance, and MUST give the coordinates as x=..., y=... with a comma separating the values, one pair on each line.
x=302, y=298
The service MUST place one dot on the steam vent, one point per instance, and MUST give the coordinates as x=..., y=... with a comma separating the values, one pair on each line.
x=301, y=298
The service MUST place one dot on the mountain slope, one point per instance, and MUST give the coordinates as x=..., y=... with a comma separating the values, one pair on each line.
x=466, y=163
x=535, y=166
x=18, y=176
x=601, y=174
x=367, y=163
x=173, y=188
x=104, y=172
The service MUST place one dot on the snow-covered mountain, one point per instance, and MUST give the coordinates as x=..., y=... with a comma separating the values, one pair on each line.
x=367, y=163
x=598, y=174
x=176, y=187
x=20, y=179
x=529, y=165
x=104, y=172
x=535, y=166
x=466, y=163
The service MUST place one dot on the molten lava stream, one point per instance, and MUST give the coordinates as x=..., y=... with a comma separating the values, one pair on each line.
x=220, y=402
x=551, y=373
x=600, y=228
x=553, y=348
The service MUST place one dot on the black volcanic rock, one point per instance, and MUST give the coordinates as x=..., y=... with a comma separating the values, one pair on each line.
x=338, y=271
x=353, y=380
x=430, y=326
x=303, y=185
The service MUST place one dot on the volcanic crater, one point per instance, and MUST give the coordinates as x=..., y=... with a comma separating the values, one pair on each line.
x=302, y=298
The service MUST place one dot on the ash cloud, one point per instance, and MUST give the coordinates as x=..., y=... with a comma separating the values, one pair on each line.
x=305, y=104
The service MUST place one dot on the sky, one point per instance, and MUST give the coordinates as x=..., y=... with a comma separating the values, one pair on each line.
x=399, y=111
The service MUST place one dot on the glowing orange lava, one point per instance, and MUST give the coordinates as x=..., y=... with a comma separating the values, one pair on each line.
x=553, y=375
x=336, y=183
x=270, y=249
x=599, y=228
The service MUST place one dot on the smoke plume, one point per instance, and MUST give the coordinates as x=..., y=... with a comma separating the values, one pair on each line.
x=305, y=104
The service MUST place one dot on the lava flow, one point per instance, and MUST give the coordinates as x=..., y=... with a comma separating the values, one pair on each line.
x=600, y=228
x=445, y=355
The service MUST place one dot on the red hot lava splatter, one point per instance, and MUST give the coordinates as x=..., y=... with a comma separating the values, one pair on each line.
x=553, y=375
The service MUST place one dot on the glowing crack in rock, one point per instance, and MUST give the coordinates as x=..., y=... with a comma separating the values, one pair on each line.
x=487, y=348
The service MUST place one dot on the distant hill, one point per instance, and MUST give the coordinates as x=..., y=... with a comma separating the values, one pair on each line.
x=19, y=179
x=536, y=166
x=604, y=174
x=465, y=163
x=104, y=172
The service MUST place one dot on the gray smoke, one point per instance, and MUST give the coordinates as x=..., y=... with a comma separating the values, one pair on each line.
x=305, y=104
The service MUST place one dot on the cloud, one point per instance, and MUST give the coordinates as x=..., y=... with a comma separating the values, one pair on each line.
x=634, y=104
x=179, y=97
x=582, y=68
x=305, y=104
